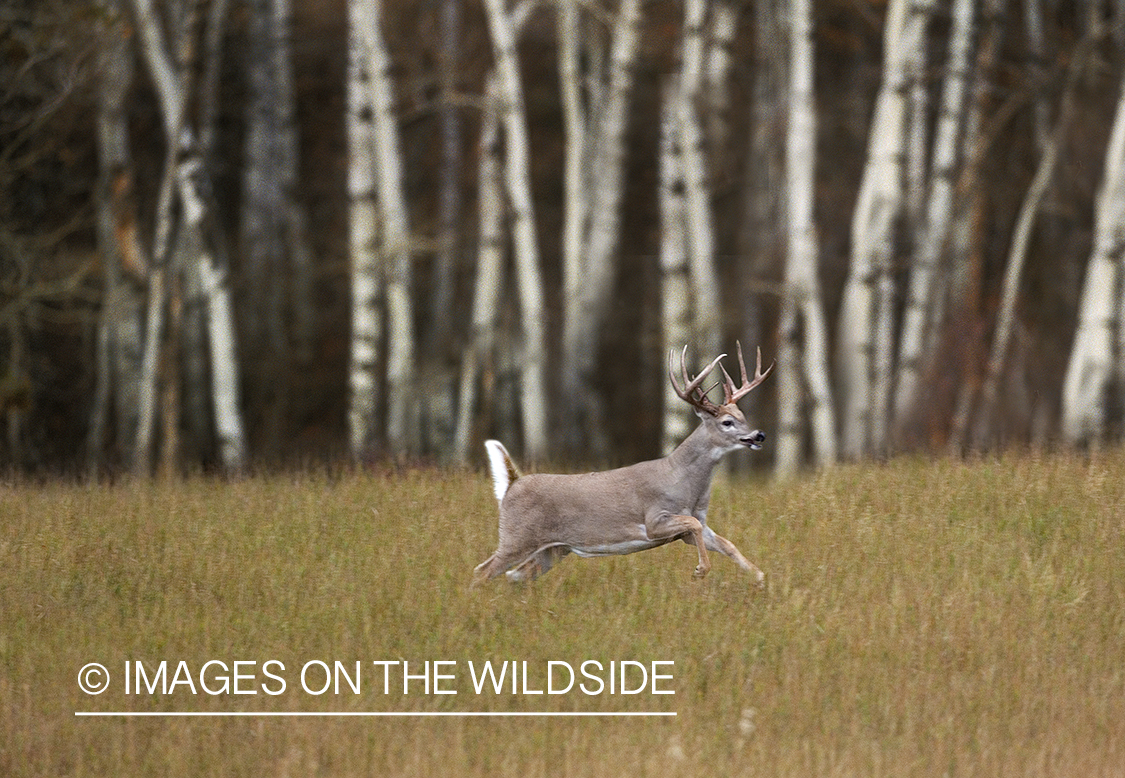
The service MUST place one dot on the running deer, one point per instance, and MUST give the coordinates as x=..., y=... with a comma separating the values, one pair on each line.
x=544, y=517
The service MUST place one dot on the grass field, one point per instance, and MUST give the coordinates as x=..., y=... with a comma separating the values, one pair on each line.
x=922, y=618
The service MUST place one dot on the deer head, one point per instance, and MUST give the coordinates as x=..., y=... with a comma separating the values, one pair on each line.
x=726, y=425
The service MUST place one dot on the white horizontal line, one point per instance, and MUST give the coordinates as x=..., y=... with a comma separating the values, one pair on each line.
x=383, y=714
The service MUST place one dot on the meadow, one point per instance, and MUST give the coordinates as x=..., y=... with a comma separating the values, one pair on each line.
x=922, y=618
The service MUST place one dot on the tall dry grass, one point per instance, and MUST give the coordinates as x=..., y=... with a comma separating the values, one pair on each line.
x=922, y=618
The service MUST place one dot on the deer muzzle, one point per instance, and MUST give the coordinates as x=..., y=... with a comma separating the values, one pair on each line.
x=754, y=440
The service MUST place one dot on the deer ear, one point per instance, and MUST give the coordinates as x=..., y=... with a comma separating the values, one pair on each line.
x=702, y=414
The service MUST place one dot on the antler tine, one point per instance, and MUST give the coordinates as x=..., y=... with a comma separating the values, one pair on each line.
x=733, y=395
x=728, y=387
x=691, y=392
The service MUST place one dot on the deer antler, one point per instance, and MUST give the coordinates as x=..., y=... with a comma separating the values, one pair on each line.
x=692, y=393
x=734, y=395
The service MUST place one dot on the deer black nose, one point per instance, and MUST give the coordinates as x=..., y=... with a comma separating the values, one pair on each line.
x=754, y=439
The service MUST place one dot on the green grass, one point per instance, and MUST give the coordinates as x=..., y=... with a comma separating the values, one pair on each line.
x=922, y=618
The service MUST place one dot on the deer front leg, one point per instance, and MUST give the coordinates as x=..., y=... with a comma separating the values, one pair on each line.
x=668, y=526
x=716, y=542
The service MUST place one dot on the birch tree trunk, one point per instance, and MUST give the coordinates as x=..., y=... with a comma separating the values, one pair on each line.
x=697, y=197
x=402, y=404
x=156, y=58
x=607, y=160
x=970, y=219
x=1095, y=359
x=120, y=331
x=184, y=179
x=717, y=76
x=760, y=236
x=924, y=282
x=801, y=301
x=576, y=155
x=866, y=310
x=478, y=357
x=917, y=118
x=674, y=272
x=517, y=172
x=366, y=355
x=1037, y=48
x=1017, y=257
x=449, y=197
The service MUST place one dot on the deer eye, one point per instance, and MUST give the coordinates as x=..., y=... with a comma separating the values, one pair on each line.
x=728, y=423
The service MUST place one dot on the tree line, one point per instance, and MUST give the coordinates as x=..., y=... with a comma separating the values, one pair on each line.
x=239, y=232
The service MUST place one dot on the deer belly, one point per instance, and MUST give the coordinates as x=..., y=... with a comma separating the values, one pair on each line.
x=616, y=549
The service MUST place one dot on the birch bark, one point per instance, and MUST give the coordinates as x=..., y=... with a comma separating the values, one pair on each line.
x=1017, y=256
x=126, y=267
x=717, y=77
x=865, y=315
x=366, y=345
x=674, y=272
x=402, y=406
x=1095, y=358
x=924, y=280
x=489, y=280
x=697, y=197
x=517, y=173
x=576, y=156
x=607, y=159
x=802, y=303
x=185, y=176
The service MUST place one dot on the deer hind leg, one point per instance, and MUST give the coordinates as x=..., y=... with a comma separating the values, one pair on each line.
x=484, y=570
x=538, y=563
x=667, y=526
x=529, y=569
x=716, y=542
x=493, y=566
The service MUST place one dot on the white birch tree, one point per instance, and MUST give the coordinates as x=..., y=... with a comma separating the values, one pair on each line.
x=761, y=234
x=575, y=131
x=675, y=285
x=402, y=408
x=120, y=342
x=986, y=410
x=719, y=62
x=450, y=30
x=517, y=170
x=366, y=356
x=917, y=116
x=183, y=180
x=1037, y=48
x=801, y=302
x=697, y=195
x=1095, y=364
x=380, y=246
x=924, y=283
x=605, y=147
x=865, y=343
x=478, y=354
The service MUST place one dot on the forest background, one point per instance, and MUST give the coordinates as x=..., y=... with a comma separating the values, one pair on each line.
x=256, y=233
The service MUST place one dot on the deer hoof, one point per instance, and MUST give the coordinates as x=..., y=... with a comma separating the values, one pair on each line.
x=700, y=572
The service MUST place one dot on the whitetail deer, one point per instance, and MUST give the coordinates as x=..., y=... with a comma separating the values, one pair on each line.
x=544, y=517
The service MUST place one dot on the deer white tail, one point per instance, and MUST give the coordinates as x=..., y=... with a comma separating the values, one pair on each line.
x=504, y=470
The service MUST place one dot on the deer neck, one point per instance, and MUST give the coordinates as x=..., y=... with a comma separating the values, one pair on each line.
x=696, y=456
